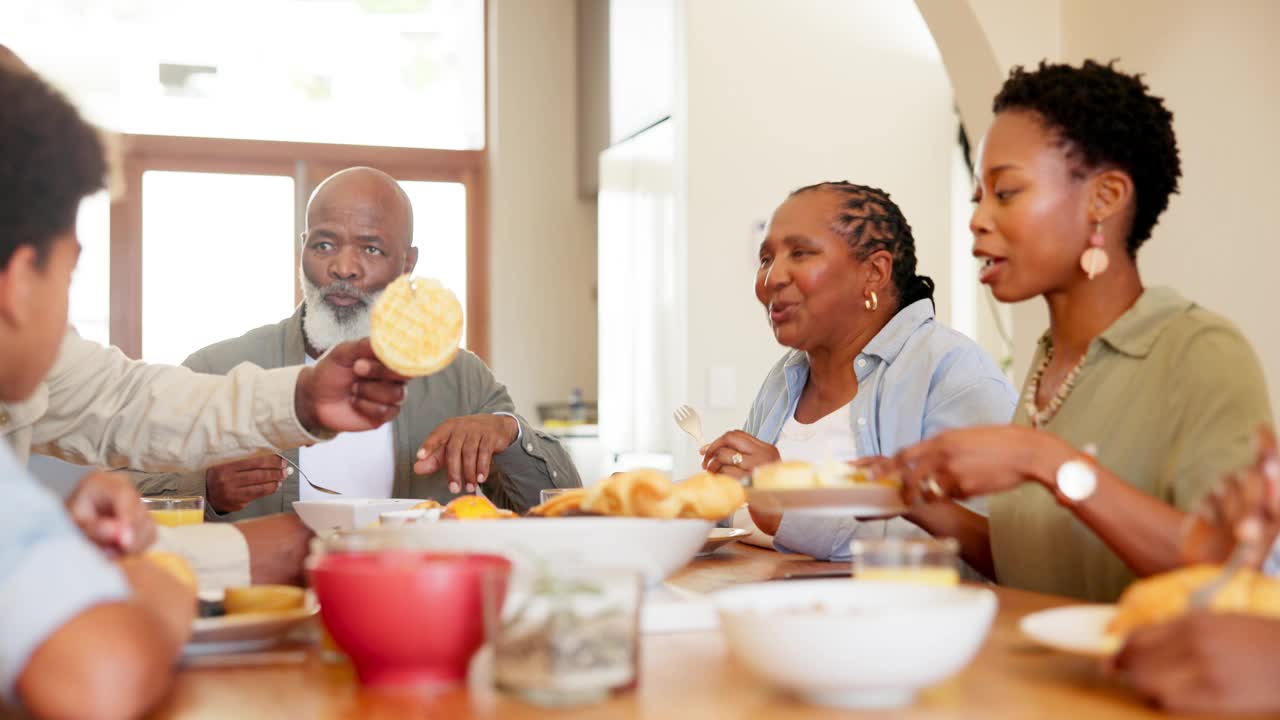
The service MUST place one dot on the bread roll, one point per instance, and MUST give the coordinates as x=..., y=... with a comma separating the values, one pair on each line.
x=1166, y=596
x=785, y=476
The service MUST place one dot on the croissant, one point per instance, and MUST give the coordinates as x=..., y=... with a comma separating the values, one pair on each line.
x=1167, y=595
x=560, y=505
x=650, y=494
x=708, y=496
x=636, y=493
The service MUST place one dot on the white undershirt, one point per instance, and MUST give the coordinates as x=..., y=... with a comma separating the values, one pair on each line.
x=359, y=465
x=830, y=439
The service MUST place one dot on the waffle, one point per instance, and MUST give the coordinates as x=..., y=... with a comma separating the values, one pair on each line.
x=416, y=332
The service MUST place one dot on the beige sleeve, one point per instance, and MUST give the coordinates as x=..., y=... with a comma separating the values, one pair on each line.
x=1221, y=399
x=110, y=411
x=218, y=553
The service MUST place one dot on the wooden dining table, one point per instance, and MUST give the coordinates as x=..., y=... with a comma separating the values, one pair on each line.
x=684, y=675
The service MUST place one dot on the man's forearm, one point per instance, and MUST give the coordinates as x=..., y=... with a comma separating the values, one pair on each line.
x=532, y=463
x=109, y=411
x=278, y=546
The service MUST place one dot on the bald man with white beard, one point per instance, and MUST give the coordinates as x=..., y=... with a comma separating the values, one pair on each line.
x=359, y=237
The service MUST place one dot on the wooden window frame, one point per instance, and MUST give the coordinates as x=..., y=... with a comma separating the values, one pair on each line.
x=308, y=164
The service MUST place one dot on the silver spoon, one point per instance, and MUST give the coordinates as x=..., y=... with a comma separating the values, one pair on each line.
x=303, y=475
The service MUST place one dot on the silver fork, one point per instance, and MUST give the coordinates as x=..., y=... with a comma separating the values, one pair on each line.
x=1244, y=551
x=303, y=475
x=687, y=419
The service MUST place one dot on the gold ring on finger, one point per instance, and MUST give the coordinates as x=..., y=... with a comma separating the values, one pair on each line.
x=932, y=487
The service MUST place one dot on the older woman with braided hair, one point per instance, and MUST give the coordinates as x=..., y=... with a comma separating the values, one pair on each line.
x=870, y=371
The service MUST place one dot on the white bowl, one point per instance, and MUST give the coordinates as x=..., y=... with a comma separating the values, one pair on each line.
x=854, y=644
x=654, y=548
x=344, y=513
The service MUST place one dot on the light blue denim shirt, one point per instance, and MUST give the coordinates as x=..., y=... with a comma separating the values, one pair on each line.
x=916, y=378
x=49, y=572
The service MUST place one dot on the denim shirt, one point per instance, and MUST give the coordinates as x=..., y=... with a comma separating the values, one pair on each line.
x=916, y=378
x=49, y=572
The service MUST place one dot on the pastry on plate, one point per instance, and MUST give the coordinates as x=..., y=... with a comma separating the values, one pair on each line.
x=1165, y=596
x=262, y=598
x=798, y=475
x=634, y=493
x=416, y=326
x=708, y=496
x=561, y=504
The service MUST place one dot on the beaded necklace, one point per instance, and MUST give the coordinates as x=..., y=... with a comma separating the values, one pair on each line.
x=1040, y=418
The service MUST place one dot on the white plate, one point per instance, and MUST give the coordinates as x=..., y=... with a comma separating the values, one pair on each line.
x=865, y=501
x=1075, y=629
x=343, y=513
x=719, y=537
x=245, y=632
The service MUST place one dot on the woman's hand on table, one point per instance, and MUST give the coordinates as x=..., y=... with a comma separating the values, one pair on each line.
x=966, y=463
x=1245, y=502
x=1206, y=663
x=107, y=509
x=736, y=454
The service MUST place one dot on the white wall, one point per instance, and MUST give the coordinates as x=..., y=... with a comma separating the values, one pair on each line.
x=1213, y=61
x=542, y=233
x=783, y=95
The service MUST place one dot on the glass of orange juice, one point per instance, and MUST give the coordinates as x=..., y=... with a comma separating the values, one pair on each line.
x=175, y=510
x=926, y=561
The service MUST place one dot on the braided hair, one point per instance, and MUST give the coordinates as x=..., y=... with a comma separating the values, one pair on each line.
x=869, y=221
x=1104, y=117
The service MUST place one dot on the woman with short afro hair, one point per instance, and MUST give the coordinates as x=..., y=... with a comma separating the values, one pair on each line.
x=1139, y=400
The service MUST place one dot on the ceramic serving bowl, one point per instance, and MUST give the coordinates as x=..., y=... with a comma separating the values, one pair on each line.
x=854, y=644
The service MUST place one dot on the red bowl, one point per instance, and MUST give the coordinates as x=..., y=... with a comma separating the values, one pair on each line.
x=407, y=618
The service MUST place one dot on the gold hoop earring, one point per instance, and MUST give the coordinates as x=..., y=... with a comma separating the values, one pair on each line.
x=872, y=303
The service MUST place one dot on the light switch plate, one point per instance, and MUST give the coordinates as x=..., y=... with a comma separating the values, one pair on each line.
x=722, y=387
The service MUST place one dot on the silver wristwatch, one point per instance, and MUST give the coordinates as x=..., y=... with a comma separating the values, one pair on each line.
x=1076, y=480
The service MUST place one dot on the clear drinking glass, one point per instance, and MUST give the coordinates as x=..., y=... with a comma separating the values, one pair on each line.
x=564, y=636
x=175, y=510
x=927, y=561
x=547, y=493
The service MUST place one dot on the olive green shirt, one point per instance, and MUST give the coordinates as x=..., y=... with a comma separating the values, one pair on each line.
x=1171, y=396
